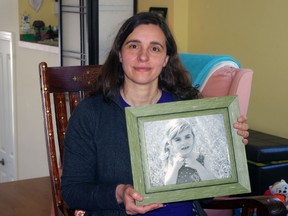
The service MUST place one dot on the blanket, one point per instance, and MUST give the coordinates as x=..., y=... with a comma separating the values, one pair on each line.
x=201, y=66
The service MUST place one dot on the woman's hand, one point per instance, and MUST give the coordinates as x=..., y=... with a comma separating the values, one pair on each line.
x=242, y=128
x=127, y=195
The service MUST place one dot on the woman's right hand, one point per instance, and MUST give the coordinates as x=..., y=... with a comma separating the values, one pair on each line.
x=127, y=195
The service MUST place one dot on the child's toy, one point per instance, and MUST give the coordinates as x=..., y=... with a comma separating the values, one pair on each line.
x=280, y=188
x=25, y=24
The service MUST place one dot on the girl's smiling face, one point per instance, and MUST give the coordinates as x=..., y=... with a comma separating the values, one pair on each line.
x=183, y=142
x=143, y=55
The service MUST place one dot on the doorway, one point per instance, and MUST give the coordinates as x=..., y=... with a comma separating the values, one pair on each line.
x=88, y=27
x=8, y=165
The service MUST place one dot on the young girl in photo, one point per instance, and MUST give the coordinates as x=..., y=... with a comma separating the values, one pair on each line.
x=182, y=164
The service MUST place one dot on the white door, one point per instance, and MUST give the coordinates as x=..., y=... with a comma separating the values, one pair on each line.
x=8, y=169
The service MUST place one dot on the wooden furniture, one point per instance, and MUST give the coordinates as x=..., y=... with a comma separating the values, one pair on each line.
x=62, y=88
x=263, y=205
x=267, y=157
x=26, y=197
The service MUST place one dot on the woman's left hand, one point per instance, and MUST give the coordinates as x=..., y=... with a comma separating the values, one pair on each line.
x=242, y=128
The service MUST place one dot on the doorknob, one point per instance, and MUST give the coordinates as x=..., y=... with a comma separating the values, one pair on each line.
x=2, y=161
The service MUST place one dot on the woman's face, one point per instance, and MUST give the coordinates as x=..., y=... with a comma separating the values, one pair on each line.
x=143, y=55
x=183, y=142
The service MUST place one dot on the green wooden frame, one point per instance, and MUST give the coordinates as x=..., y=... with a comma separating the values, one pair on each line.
x=138, y=118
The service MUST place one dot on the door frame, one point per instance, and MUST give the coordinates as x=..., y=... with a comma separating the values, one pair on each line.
x=10, y=101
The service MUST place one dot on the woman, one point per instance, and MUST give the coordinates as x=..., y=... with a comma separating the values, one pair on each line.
x=142, y=68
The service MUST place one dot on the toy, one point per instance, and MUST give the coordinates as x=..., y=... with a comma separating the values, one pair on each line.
x=280, y=188
x=25, y=24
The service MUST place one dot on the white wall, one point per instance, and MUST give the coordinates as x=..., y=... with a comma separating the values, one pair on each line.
x=30, y=144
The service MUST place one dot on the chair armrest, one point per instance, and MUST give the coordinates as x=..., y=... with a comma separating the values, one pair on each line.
x=265, y=205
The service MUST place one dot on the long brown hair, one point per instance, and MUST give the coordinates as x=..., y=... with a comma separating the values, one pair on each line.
x=174, y=78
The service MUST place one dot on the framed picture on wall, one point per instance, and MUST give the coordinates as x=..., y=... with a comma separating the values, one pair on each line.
x=187, y=150
x=162, y=11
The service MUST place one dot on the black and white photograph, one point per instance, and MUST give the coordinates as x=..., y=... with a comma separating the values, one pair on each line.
x=187, y=150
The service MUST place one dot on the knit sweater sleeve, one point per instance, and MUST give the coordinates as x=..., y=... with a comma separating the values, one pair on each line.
x=80, y=186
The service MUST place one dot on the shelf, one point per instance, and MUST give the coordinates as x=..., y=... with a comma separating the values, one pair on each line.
x=42, y=47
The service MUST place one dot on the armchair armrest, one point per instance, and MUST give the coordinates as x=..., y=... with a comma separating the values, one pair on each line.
x=264, y=205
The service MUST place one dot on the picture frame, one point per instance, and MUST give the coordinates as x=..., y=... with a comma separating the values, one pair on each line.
x=215, y=140
x=159, y=10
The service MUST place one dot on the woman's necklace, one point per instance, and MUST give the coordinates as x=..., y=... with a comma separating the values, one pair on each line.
x=153, y=100
x=157, y=96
